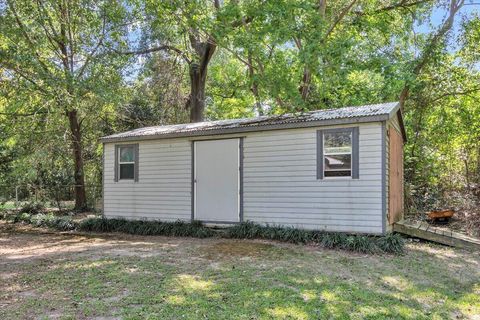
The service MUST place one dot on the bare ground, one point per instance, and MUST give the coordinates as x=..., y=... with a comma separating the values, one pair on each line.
x=111, y=276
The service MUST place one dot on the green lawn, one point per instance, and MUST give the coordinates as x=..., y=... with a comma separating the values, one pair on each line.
x=119, y=276
x=9, y=205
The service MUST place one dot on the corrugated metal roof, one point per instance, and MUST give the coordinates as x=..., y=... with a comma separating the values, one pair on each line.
x=258, y=123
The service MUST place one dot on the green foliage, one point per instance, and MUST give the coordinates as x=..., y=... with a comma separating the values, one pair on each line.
x=264, y=51
x=142, y=227
x=33, y=207
x=44, y=220
x=391, y=243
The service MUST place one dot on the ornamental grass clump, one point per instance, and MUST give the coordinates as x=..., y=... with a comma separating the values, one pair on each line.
x=390, y=243
x=144, y=227
x=331, y=240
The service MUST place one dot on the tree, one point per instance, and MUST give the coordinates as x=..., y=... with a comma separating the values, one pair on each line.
x=56, y=49
x=431, y=47
x=191, y=30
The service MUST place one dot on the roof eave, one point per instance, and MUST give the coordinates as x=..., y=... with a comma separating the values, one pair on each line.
x=222, y=131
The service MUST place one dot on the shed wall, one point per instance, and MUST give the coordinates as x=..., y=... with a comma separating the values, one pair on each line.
x=393, y=124
x=280, y=185
x=163, y=188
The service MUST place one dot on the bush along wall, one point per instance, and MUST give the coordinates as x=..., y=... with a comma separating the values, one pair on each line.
x=390, y=243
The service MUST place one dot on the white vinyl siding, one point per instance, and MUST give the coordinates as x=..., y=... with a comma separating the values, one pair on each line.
x=162, y=192
x=280, y=185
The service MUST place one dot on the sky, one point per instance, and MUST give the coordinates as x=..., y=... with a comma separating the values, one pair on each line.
x=440, y=14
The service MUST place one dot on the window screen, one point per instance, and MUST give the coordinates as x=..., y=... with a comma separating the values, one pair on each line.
x=337, y=153
x=126, y=162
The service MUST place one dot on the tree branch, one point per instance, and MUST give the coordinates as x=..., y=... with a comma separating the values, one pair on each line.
x=27, y=37
x=455, y=6
x=339, y=18
x=94, y=50
x=156, y=49
x=17, y=114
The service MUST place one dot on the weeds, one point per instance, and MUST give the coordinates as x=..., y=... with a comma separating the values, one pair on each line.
x=44, y=220
x=391, y=243
x=33, y=207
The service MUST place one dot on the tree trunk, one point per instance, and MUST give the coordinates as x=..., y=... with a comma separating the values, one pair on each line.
x=305, y=85
x=254, y=86
x=198, y=76
x=197, y=93
x=76, y=137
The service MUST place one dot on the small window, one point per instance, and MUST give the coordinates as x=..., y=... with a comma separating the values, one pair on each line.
x=337, y=153
x=126, y=162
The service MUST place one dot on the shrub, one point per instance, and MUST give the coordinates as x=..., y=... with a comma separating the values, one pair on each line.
x=33, y=207
x=21, y=217
x=44, y=220
x=245, y=230
x=142, y=227
x=333, y=240
x=391, y=243
x=359, y=243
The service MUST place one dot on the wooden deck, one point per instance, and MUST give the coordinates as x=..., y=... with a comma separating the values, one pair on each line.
x=425, y=231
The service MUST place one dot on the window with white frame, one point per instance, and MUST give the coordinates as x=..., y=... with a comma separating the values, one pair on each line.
x=337, y=155
x=126, y=162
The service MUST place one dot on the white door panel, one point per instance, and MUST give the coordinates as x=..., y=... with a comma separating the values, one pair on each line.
x=217, y=180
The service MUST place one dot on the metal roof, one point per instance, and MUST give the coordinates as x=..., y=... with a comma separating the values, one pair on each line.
x=366, y=113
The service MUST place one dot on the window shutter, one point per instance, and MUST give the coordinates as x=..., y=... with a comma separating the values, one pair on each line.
x=355, y=153
x=115, y=175
x=136, y=162
x=319, y=154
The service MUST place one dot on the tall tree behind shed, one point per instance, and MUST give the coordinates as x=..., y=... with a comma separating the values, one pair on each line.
x=57, y=48
x=192, y=30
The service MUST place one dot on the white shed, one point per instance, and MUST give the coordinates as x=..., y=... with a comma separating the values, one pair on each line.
x=334, y=170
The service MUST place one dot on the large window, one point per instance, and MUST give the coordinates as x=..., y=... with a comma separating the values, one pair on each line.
x=126, y=162
x=337, y=154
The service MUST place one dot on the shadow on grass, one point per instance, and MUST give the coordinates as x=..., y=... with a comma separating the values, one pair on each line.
x=171, y=278
x=140, y=288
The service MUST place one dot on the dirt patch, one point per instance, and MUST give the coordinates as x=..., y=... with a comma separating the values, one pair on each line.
x=236, y=248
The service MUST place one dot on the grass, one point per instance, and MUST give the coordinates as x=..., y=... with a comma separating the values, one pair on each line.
x=71, y=277
x=9, y=205
x=390, y=243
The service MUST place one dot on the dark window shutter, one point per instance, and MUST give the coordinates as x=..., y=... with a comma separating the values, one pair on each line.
x=136, y=162
x=355, y=153
x=115, y=175
x=319, y=154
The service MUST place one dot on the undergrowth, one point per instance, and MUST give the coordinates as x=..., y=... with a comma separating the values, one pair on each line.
x=390, y=243
x=44, y=220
